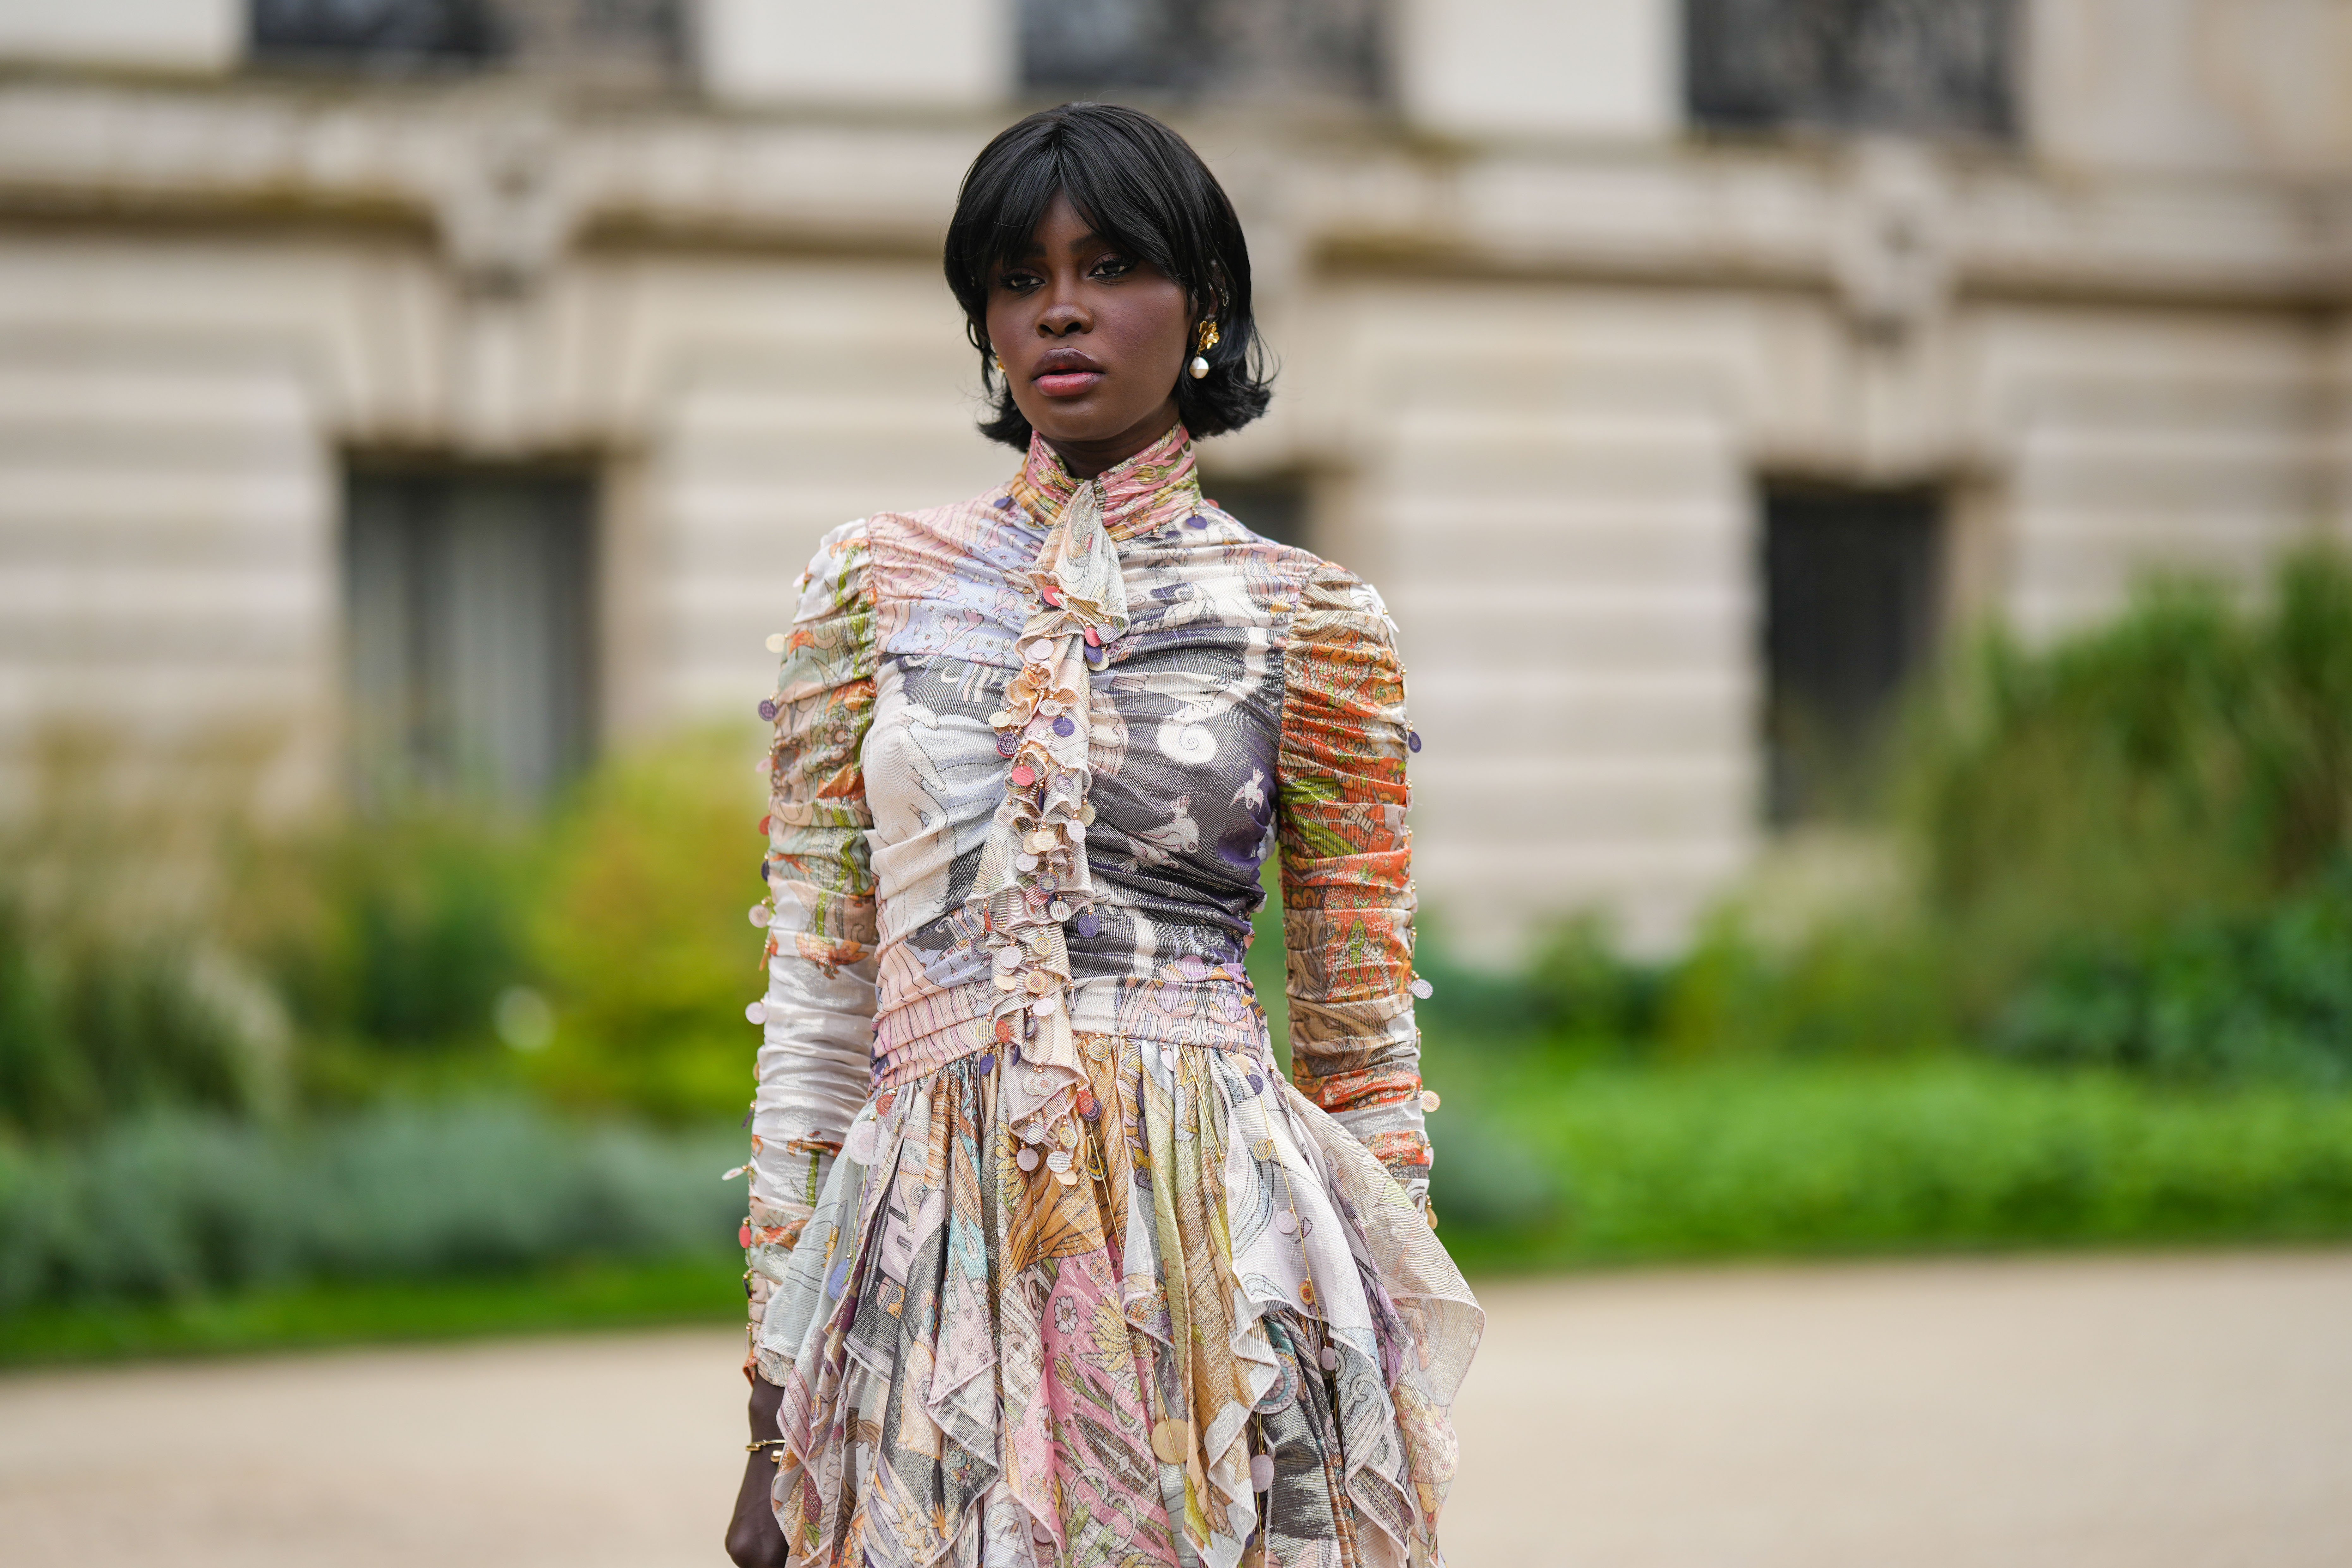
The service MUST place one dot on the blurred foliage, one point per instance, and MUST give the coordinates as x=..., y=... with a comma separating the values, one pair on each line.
x=1850, y=988
x=2132, y=848
x=416, y=928
x=1543, y=1163
x=312, y=1055
x=161, y=947
x=639, y=932
x=2259, y=993
x=391, y=938
x=117, y=994
x=2191, y=760
x=95, y=1026
x=1265, y=962
x=178, y=1204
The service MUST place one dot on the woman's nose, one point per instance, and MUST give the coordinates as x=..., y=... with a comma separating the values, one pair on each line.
x=1064, y=315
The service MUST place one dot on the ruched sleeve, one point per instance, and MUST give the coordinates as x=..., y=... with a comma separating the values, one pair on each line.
x=1346, y=883
x=817, y=1017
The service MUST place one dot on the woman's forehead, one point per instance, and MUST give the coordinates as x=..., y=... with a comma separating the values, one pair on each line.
x=1060, y=224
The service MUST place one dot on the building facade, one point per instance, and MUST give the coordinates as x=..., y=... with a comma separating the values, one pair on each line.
x=455, y=387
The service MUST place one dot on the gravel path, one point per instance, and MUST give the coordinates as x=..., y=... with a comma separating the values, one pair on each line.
x=2166, y=1413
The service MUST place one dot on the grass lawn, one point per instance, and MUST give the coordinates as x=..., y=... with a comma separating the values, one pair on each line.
x=601, y=1296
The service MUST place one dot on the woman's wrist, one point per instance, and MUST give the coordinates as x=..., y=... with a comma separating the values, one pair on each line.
x=766, y=1401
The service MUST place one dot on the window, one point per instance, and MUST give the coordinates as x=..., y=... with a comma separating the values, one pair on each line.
x=606, y=38
x=1275, y=508
x=390, y=31
x=1851, y=596
x=1194, y=48
x=1926, y=67
x=471, y=649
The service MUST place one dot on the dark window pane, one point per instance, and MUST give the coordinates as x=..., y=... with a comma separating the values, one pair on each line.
x=1850, y=595
x=1274, y=508
x=386, y=30
x=607, y=37
x=1085, y=44
x=471, y=647
x=1204, y=49
x=1927, y=67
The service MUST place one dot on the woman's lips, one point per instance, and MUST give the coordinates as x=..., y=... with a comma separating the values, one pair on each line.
x=1068, y=383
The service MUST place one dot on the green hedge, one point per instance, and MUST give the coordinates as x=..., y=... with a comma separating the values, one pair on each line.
x=178, y=1205
x=1542, y=1164
x=176, y=1232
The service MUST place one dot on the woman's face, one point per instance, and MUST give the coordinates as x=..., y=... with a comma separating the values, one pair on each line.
x=1092, y=340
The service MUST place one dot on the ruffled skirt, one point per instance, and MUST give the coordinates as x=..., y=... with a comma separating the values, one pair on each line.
x=1228, y=1337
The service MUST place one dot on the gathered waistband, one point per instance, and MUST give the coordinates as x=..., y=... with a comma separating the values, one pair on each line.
x=1216, y=1014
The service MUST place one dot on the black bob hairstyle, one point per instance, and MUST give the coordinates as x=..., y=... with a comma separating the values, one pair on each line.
x=1140, y=186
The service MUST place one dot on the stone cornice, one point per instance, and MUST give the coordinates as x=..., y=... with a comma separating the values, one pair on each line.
x=510, y=178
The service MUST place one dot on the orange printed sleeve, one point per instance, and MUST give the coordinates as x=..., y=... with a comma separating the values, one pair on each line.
x=1346, y=872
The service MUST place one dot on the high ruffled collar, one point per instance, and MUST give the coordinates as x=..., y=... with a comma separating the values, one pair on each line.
x=1155, y=487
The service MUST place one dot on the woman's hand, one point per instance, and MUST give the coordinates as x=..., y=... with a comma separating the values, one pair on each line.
x=754, y=1539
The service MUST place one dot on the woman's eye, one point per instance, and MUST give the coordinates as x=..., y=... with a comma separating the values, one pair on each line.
x=1113, y=266
x=1018, y=282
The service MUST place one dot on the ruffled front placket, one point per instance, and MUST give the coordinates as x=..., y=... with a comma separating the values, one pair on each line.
x=1033, y=878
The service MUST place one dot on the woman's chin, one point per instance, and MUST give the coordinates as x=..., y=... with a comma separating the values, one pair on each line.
x=1076, y=419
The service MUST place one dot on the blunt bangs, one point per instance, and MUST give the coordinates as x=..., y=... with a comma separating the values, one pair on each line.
x=1140, y=186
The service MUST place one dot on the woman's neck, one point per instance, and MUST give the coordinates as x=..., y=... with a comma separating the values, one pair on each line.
x=1088, y=460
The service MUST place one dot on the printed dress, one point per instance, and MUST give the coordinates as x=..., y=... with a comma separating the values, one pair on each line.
x=1050, y=1263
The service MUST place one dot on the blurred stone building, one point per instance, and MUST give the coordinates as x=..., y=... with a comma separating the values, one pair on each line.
x=459, y=385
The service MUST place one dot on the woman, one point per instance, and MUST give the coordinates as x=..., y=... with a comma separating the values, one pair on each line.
x=1047, y=1263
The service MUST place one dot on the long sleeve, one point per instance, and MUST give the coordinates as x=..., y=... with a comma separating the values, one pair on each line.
x=1346, y=885
x=817, y=1016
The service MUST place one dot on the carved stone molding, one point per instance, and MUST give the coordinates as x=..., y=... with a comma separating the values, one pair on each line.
x=507, y=198
x=1891, y=250
x=508, y=182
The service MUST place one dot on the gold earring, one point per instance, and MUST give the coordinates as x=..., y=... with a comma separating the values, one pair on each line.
x=1207, y=341
x=1000, y=363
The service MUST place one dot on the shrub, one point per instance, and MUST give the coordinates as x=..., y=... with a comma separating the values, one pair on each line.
x=1583, y=990
x=1846, y=988
x=173, y=1203
x=93, y=1027
x=401, y=930
x=2119, y=852
x=204, y=962
x=639, y=932
x=2261, y=994
x=2189, y=760
x=116, y=993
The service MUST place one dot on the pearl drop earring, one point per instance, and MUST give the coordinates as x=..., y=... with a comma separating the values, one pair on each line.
x=1208, y=341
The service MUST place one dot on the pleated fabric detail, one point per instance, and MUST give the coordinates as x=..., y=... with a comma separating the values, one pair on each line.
x=996, y=1365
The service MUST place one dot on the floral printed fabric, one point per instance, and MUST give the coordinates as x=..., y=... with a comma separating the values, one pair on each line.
x=1346, y=889
x=1059, y=1270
